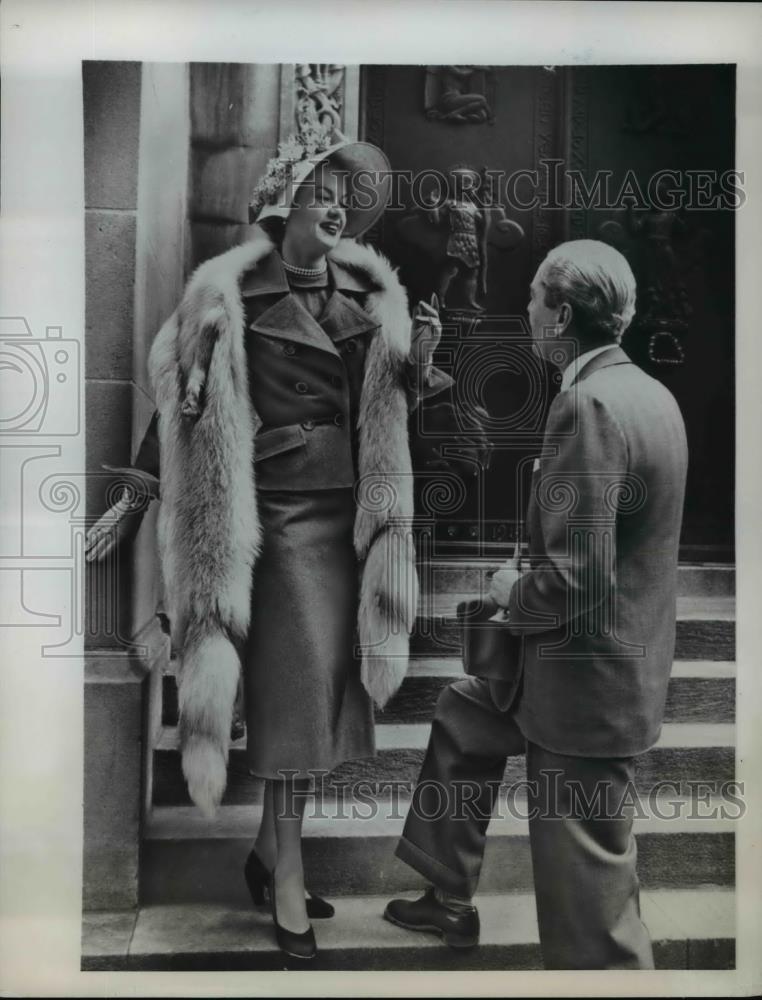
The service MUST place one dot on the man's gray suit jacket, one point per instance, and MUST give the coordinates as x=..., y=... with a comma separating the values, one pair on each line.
x=597, y=610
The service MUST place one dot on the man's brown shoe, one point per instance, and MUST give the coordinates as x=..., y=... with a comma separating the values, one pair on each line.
x=458, y=926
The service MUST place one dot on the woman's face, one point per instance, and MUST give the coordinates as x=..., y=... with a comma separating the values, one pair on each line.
x=318, y=216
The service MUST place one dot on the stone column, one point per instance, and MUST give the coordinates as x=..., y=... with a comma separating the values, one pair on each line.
x=234, y=132
x=136, y=151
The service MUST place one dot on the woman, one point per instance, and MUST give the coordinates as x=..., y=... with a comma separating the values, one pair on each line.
x=283, y=384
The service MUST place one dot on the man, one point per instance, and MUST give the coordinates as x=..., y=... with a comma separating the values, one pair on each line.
x=597, y=616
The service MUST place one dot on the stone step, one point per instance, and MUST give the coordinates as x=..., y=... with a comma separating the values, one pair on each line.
x=705, y=628
x=693, y=928
x=470, y=575
x=450, y=666
x=691, y=697
x=685, y=752
x=698, y=692
x=689, y=609
x=349, y=848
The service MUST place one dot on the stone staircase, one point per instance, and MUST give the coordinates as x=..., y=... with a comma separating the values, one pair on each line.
x=195, y=912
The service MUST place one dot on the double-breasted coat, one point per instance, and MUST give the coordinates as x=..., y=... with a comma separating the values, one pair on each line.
x=306, y=347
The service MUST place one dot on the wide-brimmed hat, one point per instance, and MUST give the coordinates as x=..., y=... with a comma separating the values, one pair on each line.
x=367, y=167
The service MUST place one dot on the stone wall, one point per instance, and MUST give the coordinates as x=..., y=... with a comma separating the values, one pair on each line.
x=235, y=123
x=136, y=166
x=111, y=99
x=239, y=114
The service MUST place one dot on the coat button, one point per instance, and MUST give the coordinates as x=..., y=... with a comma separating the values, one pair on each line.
x=339, y=419
x=301, y=388
x=337, y=381
x=308, y=425
x=350, y=346
x=289, y=349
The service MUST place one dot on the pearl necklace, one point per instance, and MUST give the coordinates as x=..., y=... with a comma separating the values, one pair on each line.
x=305, y=272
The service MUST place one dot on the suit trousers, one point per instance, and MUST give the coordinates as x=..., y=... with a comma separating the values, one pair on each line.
x=583, y=848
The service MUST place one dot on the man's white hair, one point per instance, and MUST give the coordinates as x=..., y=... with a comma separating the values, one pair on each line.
x=596, y=281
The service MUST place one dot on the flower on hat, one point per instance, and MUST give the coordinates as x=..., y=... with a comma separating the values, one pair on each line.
x=310, y=140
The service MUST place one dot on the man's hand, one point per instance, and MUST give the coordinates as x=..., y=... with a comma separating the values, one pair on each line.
x=425, y=336
x=502, y=582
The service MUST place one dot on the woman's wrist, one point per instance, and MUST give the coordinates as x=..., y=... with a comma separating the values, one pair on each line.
x=419, y=369
x=417, y=374
x=135, y=498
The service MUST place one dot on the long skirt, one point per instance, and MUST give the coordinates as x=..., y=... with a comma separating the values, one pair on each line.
x=306, y=709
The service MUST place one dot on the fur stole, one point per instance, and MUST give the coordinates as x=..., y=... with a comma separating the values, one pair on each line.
x=209, y=531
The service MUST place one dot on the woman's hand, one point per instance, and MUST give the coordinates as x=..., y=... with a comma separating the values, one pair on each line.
x=425, y=335
x=119, y=523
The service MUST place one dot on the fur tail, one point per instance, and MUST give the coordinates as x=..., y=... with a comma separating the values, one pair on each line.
x=207, y=690
x=388, y=604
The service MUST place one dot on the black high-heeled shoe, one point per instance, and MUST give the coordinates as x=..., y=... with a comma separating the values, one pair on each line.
x=296, y=945
x=257, y=877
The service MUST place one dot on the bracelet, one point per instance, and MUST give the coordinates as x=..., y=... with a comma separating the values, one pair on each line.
x=125, y=503
x=131, y=500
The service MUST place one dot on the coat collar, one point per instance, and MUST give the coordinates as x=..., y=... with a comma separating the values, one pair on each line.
x=287, y=319
x=344, y=318
x=614, y=356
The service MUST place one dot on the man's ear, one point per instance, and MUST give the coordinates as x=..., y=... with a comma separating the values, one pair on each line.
x=564, y=318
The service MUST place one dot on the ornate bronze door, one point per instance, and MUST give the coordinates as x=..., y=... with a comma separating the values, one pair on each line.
x=534, y=142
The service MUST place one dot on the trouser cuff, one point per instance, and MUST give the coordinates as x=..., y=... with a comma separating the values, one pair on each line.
x=432, y=869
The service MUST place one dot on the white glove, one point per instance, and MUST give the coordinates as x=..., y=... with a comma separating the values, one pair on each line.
x=504, y=579
x=425, y=336
x=118, y=523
